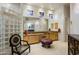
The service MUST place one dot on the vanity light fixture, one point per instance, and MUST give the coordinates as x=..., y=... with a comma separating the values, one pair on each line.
x=41, y=12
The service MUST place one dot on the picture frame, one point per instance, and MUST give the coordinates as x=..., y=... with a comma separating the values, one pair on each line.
x=41, y=14
x=51, y=16
x=30, y=12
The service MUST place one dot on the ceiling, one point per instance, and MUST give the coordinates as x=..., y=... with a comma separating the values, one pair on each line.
x=47, y=5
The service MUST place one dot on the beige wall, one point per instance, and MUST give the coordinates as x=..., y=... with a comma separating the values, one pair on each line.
x=59, y=13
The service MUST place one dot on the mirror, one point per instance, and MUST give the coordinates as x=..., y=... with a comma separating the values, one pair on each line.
x=35, y=25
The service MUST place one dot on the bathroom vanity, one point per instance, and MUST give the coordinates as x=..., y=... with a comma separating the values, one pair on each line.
x=34, y=37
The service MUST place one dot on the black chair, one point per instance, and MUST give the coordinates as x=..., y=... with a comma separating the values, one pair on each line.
x=16, y=45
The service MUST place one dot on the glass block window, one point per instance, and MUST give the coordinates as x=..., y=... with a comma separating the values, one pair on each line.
x=9, y=24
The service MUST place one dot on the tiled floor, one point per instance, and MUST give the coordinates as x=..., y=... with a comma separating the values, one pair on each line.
x=58, y=48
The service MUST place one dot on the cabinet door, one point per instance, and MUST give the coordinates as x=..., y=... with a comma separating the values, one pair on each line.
x=46, y=34
x=54, y=36
x=32, y=39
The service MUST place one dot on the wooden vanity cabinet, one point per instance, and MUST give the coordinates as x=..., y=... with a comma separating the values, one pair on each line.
x=34, y=37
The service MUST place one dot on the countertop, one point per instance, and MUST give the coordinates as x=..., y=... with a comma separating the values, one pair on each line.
x=41, y=31
x=75, y=36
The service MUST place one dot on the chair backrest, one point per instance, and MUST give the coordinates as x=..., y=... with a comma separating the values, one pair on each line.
x=15, y=40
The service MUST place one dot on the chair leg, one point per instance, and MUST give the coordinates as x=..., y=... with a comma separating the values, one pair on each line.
x=12, y=51
x=29, y=49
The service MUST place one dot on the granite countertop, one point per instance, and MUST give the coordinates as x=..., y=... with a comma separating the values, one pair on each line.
x=75, y=36
x=33, y=34
x=42, y=31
